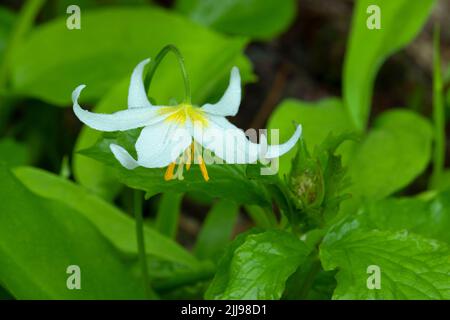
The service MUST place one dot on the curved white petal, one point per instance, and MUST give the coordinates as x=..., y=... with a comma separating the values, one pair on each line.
x=123, y=156
x=275, y=151
x=160, y=144
x=228, y=105
x=118, y=121
x=137, y=96
x=232, y=145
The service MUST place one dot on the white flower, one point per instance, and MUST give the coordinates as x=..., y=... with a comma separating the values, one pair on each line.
x=170, y=132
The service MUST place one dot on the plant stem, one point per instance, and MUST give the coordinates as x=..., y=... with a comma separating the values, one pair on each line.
x=141, y=244
x=23, y=24
x=438, y=111
x=179, y=56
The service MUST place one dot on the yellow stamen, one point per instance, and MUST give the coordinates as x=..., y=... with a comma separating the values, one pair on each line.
x=202, y=165
x=169, y=172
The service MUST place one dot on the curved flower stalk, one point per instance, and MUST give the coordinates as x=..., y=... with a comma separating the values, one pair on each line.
x=176, y=134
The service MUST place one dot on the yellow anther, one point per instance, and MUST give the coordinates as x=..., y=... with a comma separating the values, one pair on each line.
x=202, y=165
x=169, y=172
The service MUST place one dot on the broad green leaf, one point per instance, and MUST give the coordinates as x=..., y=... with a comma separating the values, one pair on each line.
x=258, y=267
x=430, y=217
x=253, y=18
x=109, y=45
x=168, y=214
x=216, y=230
x=226, y=181
x=368, y=48
x=40, y=238
x=392, y=155
x=318, y=119
x=116, y=226
x=13, y=153
x=411, y=267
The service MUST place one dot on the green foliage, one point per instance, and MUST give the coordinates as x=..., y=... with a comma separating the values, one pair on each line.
x=310, y=244
x=40, y=238
x=395, y=151
x=368, y=48
x=257, y=265
x=317, y=181
x=216, y=230
x=317, y=119
x=412, y=267
x=168, y=213
x=13, y=153
x=252, y=18
x=111, y=42
x=111, y=222
x=227, y=181
x=427, y=217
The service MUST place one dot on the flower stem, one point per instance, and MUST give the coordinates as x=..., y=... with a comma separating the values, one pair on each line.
x=22, y=26
x=438, y=112
x=149, y=293
x=160, y=56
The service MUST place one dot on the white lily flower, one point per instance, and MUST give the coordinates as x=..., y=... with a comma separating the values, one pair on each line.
x=170, y=132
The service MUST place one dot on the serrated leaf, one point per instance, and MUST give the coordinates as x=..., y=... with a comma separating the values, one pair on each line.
x=427, y=217
x=412, y=267
x=256, y=266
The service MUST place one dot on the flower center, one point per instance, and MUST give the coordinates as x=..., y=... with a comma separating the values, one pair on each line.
x=181, y=113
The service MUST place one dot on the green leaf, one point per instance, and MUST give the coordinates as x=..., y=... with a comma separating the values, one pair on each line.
x=412, y=267
x=368, y=48
x=226, y=181
x=392, y=155
x=13, y=153
x=256, y=266
x=253, y=18
x=427, y=217
x=217, y=229
x=318, y=119
x=115, y=225
x=169, y=213
x=110, y=44
x=40, y=238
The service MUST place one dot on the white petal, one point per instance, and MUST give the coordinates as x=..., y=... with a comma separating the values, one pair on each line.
x=228, y=105
x=118, y=121
x=276, y=151
x=137, y=96
x=123, y=156
x=232, y=145
x=161, y=143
